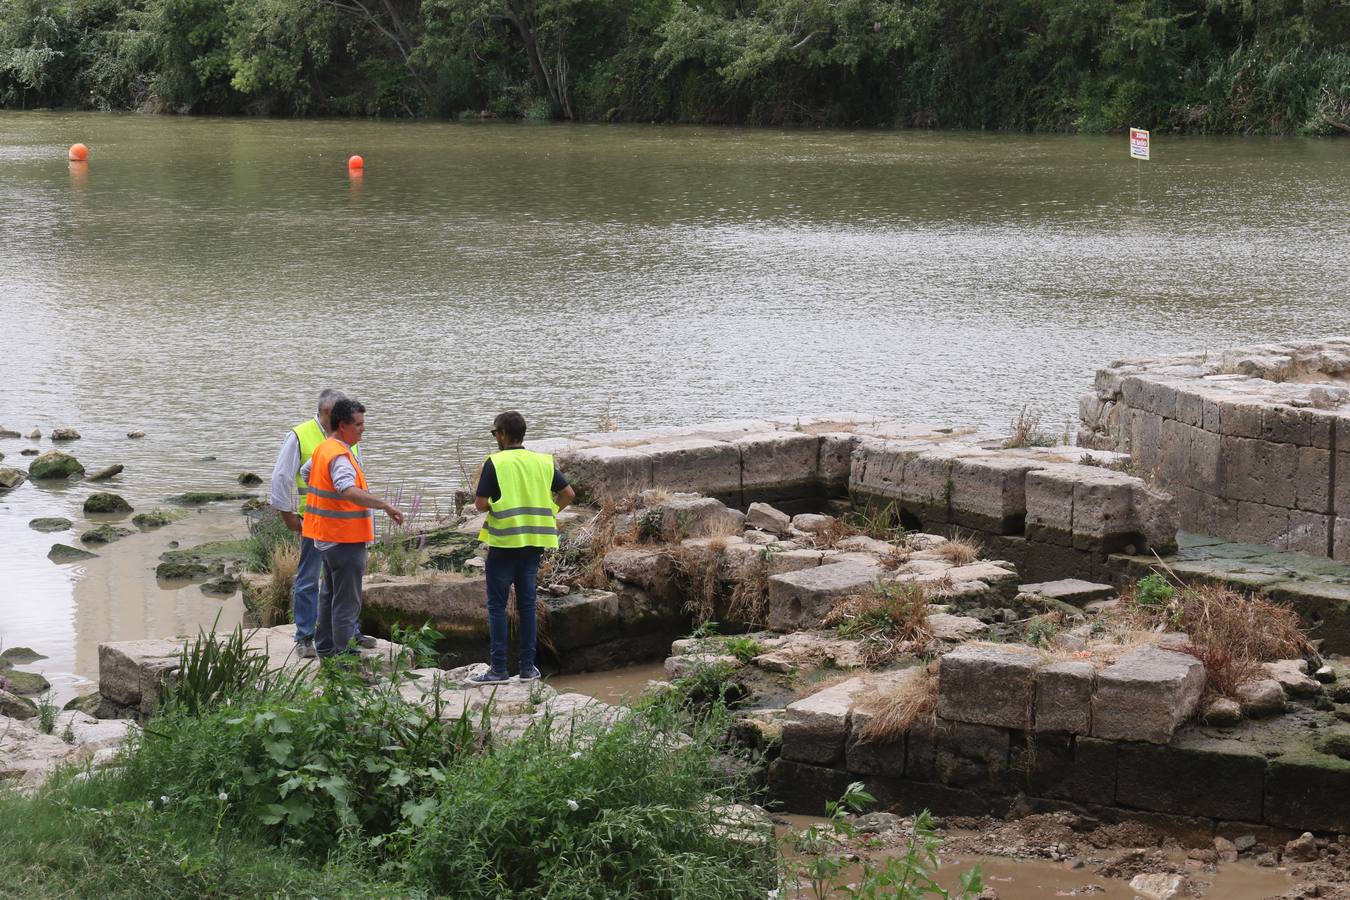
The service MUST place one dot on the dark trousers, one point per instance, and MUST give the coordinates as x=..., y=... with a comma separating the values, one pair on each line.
x=507, y=566
x=339, y=598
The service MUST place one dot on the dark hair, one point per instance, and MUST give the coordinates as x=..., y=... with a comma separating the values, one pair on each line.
x=343, y=412
x=512, y=424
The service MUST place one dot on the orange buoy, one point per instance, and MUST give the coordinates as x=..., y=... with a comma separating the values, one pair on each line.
x=355, y=164
x=78, y=153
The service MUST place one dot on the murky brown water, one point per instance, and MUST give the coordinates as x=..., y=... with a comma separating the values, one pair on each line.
x=201, y=279
x=617, y=686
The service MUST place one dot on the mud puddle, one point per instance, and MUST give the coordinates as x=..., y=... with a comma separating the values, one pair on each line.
x=616, y=686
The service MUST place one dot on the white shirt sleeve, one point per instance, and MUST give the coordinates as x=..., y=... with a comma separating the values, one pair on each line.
x=342, y=472
x=283, y=474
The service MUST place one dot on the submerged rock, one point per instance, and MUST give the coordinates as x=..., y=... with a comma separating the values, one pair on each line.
x=135, y=434
x=157, y=518
x=53, y=465
x=105, y=534
x=65, y=434
x=49, y=524
x=16, y=656
x=64, y=553
x=249, y=479
x=11, y=477
x=6, y=433
x=213, y=558
x=197, y=498
x=108, y=472
x=106, y=503
x=29, y=451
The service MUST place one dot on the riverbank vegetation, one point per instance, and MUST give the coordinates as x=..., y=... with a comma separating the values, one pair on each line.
x=250, y=782
x=1202, y=66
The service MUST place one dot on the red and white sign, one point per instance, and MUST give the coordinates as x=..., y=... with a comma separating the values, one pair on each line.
x=1138, y=143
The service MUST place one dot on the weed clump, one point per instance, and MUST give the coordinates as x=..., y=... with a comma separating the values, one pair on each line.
x=891, y=619
x=895, y=710
x=958, y=551
x=1232, y=633
x=1027, y=431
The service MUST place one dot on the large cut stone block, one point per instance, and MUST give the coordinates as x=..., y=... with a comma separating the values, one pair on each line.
x=879, y=466
x=455, y=605
x=816, y=727
x=988, y=685
x=794, y=561
x=1307, y=792
x=1146, y=695
x=650, y=568
x=1064, y=697
x=928, y=484
x=598, y=472
x=1049, y=499
x=989, y=493
x=1260, y=472
x=766, y=518
x=779, y=465
x=698, y=464
x=874, y=754
x=801, y=599
x=132, y=671
x=1071, y=590
x=691, y=516
x=1196, y=776
x=836, y=461
x=1313, y=480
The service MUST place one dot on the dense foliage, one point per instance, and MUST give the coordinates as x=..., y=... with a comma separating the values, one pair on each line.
x=1242, y=66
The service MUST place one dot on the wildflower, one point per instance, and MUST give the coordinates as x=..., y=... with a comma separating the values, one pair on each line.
x=576, y=755
x=573, y=805
x=222, y=796
x=163, y=800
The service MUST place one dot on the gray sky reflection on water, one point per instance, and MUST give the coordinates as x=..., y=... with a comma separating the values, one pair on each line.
x=201, y=278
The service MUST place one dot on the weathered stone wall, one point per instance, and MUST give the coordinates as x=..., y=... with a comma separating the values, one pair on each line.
x=1254, y=444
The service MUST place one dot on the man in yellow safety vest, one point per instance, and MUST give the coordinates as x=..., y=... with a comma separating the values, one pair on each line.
x=296, y=449
x=522, y=492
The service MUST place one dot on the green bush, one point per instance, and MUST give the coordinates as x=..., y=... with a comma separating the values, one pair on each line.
x=1154, y=591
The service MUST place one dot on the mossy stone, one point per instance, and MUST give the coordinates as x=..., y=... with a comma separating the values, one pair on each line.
x=249, y=479
x=11, y=477
x=86, y=703
x=53, y=465
x=50, y=524
x=105, y=534
x=157, y=518
x=64, y=553
x=26, y=683
x=16, y=656
x=103, y=502
x=16, y=707
x=179, y=570
x=197, y=498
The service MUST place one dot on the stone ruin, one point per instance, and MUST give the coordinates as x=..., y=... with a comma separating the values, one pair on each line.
x=1254, y=444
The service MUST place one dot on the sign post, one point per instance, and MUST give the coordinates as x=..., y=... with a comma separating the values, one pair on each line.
x=1139, y=153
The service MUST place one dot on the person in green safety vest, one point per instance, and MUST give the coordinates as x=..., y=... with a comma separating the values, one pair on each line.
x=296, y=449
x=522, y=493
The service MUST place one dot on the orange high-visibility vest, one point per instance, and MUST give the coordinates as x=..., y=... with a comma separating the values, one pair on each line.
x=328, y=517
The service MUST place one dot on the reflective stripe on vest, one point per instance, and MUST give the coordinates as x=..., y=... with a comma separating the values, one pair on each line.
x=310, y=436
x=524, y=515
x=329, y=517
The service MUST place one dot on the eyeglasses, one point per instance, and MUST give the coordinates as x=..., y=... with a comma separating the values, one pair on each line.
x=493, y=430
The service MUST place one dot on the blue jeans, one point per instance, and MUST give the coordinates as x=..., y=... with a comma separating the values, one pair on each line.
x=305, y=595
x=340, y=599
x=507, y=567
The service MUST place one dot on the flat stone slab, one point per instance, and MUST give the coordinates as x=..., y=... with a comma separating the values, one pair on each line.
x=801, y=599
x=1146, y=695
x=1071, y=590
x=988, y=684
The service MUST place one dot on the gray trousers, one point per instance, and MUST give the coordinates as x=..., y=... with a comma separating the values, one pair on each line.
x=339, y=598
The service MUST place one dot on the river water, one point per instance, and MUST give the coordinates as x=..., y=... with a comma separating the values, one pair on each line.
x=201, y=279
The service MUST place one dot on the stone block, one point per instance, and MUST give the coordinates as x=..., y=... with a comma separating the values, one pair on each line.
x=1049, y=499
x=455, y=605
x=988, y=685
x=1340, y=548
x=1320, y=604
x=131, y=673
x=972, y=756
x=794, y=561
x=804, y=789
x=1308, y=532
x=708, y=467
x=811, y=523
x=1313, y=480
x=1242, y=418
x=1071, y=590
x=878, y=467
x=649, y=568
x=801, y=599
x=1094, y=771
x=1195, y=776
x=1103, y=510
x=1340, y=501
x=906, y=797
x=1307, y=793
x=836, y=461
x=1259, y=471
x=989, y=493
x=928, y=484
x=1150, y=395
x=766, y=518
x=1064, y=697
x=816, y=727
x=1260, y=697
x=1262, y=524
x=1157, y=518
x=599, y=472
x=691, y=516
x=779, y=465
x=1146, y=695
x=1287, y=425
x=1292, y=676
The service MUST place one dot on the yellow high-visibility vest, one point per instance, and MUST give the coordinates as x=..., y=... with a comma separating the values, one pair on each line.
x=525, y=514
x=310, y=436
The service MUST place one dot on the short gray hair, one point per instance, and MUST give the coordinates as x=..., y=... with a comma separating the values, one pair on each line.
x=329, y=396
